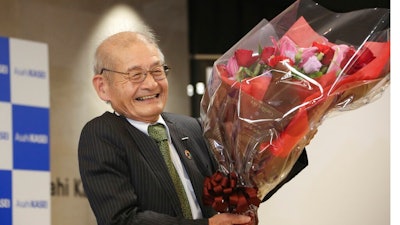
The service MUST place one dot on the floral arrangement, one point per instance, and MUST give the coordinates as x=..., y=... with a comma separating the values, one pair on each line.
x=269, y=93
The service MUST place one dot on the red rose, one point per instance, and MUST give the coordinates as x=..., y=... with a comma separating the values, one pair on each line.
x=273, y=61
x=363, y=57
x=327, y=51
x=245, y=57
x=266, y=53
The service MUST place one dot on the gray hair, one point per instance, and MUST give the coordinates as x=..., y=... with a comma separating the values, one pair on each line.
x=102, y=58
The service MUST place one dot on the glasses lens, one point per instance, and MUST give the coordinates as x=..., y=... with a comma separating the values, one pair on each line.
x=137, y=76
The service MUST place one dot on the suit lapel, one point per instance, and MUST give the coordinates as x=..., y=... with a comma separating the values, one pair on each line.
x=186, y=151
x=151, y=153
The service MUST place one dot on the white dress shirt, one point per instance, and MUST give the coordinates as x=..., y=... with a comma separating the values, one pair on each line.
x=194, y=205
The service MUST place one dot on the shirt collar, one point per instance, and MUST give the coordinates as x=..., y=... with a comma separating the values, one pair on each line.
x=143, y=126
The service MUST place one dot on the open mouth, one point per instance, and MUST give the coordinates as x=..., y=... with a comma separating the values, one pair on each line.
x=144, y=98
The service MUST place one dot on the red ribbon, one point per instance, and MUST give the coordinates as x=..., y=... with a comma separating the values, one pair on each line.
x=222, y=193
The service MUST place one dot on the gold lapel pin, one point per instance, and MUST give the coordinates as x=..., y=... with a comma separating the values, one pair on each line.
x=187, y=154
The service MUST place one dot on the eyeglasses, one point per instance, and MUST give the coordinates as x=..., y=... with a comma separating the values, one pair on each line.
x=139, y=75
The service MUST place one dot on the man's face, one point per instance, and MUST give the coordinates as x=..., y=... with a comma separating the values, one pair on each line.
x=142, y=101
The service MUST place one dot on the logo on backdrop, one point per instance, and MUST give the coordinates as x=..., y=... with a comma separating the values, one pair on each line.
x=4, y=135
x=38, y=204
x=31, y=138
x=30, y=73
x=5, y=203
x=65, y=187
x=4, y=70
x=5, y=197
x=24, y=132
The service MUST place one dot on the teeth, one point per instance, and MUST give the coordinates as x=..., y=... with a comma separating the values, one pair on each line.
x=146, y=97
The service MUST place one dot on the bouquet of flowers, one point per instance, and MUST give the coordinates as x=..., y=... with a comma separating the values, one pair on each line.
x=269, y=93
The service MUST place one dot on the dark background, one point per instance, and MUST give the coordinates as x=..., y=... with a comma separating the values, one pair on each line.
x=216, y=25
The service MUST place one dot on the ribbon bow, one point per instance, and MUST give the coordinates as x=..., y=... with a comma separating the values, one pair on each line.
x=222, y=193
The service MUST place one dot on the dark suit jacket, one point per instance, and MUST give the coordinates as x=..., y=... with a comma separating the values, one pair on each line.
x=124, y=175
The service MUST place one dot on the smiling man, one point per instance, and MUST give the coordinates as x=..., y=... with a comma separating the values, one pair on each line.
x=132, y=93
x=126, y=175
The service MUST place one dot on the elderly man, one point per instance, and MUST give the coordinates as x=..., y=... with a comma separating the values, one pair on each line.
x=126, y=174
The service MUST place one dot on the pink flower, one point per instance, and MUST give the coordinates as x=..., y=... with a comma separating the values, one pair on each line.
x=312, y=65
x=340, y=51
x=232, y=66
x=288, y=48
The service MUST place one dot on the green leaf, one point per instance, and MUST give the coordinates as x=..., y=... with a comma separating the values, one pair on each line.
x=297, y=57
x=257, y=70
x=320, y=56
x=248, y=72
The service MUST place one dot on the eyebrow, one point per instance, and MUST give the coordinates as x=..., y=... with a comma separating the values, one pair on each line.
x=157, y=63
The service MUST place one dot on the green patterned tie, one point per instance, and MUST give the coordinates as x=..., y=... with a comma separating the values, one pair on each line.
x=159, y=134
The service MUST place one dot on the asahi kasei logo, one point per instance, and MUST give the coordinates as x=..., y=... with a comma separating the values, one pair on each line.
x=3, y=69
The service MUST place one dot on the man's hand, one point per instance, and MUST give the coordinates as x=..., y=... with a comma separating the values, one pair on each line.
x=229, y=219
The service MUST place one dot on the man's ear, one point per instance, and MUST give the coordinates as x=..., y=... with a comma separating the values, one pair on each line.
x=100, y=84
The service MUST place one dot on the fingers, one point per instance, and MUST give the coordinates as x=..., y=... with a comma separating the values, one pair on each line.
x=229, y=219
x=240, y=219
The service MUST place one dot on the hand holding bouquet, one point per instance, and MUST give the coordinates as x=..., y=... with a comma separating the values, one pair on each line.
x=269, y=93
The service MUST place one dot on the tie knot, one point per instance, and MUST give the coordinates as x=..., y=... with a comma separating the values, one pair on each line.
x=158, y=132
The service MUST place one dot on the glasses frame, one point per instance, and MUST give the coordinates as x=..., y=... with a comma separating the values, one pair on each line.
x=165, y=67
